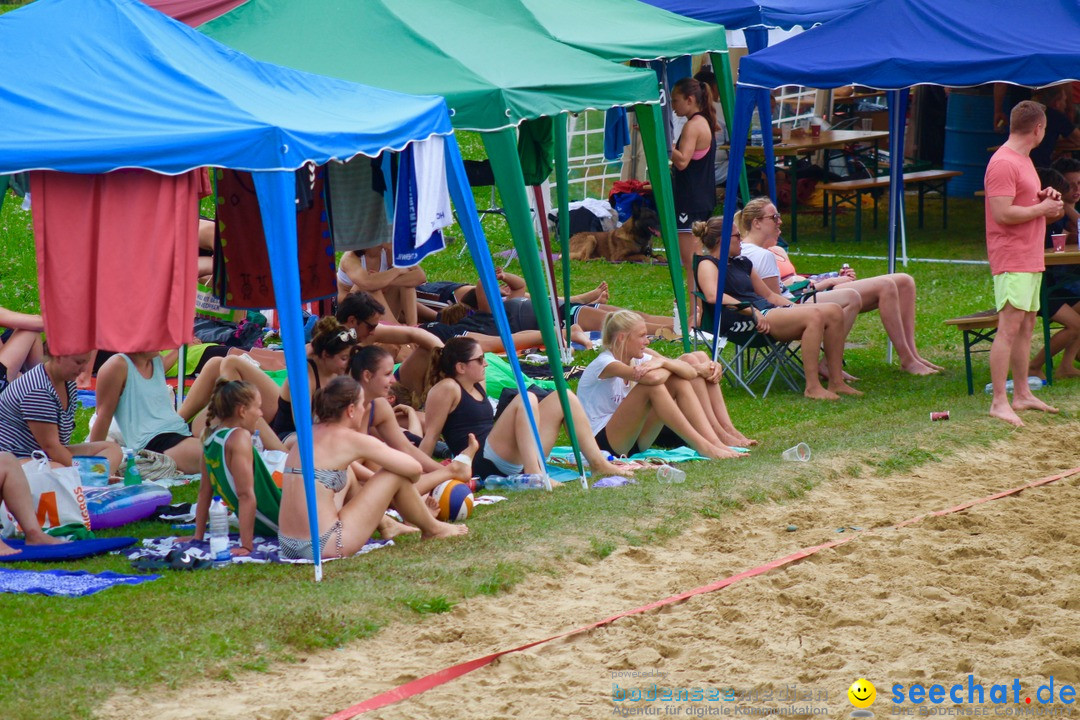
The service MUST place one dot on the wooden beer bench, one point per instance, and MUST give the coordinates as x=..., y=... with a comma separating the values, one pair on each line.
x=978, y=328
x=851, y=192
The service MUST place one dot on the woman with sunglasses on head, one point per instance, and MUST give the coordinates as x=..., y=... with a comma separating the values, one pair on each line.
x=893, y=295
x=331, y=345
x=813, y=324
x=457, y=407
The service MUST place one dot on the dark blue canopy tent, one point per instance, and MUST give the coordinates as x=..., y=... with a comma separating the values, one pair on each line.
x=755, y=19
x=757, y=15
x=110, y=84
x=894, y=44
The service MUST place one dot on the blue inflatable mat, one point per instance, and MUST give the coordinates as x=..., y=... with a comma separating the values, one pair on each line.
x=64, y=551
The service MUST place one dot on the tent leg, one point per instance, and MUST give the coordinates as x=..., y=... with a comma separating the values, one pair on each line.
x=276, y=192
x=501, y=147
x=725, y=85
x=652, y=135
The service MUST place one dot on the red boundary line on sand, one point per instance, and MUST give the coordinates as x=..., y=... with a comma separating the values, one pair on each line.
x=415, y=687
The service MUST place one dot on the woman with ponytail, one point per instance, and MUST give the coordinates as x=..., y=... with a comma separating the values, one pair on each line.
x=232, y=469
x=331, y=345
x=814, y=325
x=348, y=511
x=457, y=407
x=692, y=160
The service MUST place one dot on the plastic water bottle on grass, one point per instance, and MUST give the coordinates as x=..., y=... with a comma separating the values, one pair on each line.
x=219, y=531
x=1034, y=382
x=521, y=481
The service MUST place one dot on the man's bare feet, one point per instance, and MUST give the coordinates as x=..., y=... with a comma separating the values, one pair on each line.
x=1004, y=412
x=444, y=530
x=389, y=528
x=1032, y=403
x=927, y=363
x=820, y=393
x=917, y=368
x=844, y=389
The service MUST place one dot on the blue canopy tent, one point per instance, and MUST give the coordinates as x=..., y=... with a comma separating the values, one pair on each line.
x=760, y=15
x=958, y=44
x=115, y=84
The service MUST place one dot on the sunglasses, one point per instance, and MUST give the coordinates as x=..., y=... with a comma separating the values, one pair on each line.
x=346, y=335
x=482, y=360
x=775, y=218
x=370, y=325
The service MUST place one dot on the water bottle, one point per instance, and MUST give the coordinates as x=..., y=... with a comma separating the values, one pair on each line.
x=257, y=443
x=522, y=481
x=675, y=327
x=1034, y=382
x=219, y=531
x=131, y=472
x=756, y=139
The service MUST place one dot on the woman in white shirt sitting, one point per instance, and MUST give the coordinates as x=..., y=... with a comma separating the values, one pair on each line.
x=633, y=395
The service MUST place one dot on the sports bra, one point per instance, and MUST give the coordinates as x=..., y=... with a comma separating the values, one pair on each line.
x=332, y=480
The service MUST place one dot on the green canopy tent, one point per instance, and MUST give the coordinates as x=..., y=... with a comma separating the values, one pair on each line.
x=494, y=73
x=621, y=31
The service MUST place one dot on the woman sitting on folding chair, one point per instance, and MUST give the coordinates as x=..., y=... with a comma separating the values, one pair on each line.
x=893, y=295
x=636, y=398
x=780, y=318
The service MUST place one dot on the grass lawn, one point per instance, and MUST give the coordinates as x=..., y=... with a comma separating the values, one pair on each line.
x=61, y=657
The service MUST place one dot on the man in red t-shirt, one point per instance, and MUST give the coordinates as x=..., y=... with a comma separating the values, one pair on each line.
x=1016, y=212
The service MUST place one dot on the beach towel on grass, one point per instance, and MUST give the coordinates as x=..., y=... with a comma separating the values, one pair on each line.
x=65, y=583
x=265, y=550
x=565, y=454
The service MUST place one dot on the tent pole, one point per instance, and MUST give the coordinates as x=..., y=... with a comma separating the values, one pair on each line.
x=276, y=192
x=744, y=108
x=548, y=258
x=562, y=187
x=652, y=136
x=725, y=85
x=501, y=147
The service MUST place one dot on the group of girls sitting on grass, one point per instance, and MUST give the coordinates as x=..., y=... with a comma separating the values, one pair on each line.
x=377, y=423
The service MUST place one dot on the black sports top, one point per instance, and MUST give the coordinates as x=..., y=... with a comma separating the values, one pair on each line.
x=470, y=416
x=283, y=423
x=695, y=185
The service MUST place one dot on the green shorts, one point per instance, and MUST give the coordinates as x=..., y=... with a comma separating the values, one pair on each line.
x=1019, y=289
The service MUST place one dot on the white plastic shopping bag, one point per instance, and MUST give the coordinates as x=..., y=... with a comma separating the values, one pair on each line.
x=57, y=496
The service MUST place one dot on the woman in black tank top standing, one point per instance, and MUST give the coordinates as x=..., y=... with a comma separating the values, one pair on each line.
x=457, y=405
x=692, y=173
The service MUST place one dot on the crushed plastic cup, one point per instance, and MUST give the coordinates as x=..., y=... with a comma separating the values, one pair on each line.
x=668, y=474
x=799, y=453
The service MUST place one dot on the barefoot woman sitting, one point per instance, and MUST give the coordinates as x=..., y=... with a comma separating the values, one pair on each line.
x=349, y=512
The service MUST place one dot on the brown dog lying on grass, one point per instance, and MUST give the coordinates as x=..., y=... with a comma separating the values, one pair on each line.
x=630, y=242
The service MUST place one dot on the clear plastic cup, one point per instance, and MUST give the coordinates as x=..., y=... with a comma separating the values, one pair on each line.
x=668, y=474
x=799, y=453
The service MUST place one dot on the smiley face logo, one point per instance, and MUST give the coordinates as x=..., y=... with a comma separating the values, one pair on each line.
x=862, y=693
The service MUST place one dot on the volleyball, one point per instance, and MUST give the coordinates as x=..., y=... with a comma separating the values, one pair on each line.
x=454, y=499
